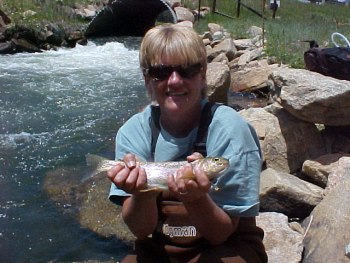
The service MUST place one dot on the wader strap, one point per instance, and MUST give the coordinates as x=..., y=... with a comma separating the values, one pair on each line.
x=205, y=120
x=155, y=127
x=202, y=134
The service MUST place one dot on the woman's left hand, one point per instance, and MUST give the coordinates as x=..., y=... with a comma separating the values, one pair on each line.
x=189, y=184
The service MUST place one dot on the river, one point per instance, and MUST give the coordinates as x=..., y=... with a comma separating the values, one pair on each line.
x=55, y=107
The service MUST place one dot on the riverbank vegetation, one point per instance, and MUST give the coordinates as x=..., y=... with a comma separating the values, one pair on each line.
x=294, y=21
x=38, y=12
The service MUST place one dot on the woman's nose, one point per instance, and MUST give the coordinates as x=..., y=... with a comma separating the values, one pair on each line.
x=175, y=77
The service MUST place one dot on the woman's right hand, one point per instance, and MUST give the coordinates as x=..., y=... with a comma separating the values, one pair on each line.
x=129, y=177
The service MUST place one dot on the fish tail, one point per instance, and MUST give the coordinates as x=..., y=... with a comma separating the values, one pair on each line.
x=93, y=160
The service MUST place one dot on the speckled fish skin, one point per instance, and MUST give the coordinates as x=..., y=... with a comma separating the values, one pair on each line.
x=157, y=172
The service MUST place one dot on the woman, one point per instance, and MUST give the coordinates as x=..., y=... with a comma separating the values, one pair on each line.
x=197, y=220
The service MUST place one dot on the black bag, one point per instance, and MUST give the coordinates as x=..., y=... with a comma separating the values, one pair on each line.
x=333, y=62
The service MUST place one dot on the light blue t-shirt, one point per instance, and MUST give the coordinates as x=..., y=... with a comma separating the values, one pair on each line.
x=229, y=135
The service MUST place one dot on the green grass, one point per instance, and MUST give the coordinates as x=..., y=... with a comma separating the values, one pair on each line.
x=45, y=11
x=294, y=23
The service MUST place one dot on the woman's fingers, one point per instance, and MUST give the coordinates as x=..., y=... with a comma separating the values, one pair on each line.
x=194, y=156
x=111, y=173
x=130, y=160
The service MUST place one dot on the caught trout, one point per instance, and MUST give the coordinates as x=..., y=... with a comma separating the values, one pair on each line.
x=157, y=172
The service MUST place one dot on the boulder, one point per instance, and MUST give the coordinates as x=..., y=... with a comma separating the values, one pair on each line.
x=213, y=28
x=7, y=48
x=254, y=75
x=224, y=47
x=23, y=45
x=183, y=14
x=218, y=82
x=281, y=241
x=313, y=97
x=327, y=236
x=287, y=194
x=85, y=198
x=337, y=175
x=288, y=141
x=318, y=170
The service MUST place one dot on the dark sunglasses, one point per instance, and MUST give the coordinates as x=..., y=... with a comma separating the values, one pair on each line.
x=163, y=72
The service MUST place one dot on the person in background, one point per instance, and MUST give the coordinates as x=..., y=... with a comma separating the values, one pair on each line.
x=196, y=220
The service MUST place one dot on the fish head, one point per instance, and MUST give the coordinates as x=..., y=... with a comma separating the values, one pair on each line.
x=212, y=166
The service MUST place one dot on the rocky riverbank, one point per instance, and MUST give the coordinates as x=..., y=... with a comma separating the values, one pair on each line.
x=47, y=35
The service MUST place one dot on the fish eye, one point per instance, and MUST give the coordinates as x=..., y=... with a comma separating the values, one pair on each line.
x=218, y=161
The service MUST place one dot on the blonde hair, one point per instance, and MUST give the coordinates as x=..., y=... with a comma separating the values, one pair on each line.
x=179, y=43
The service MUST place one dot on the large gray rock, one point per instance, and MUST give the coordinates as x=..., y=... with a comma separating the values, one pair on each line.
x=252, y=76
x=313, y=97
x=287, y=141
x=328, y=235
x=287, y=194
x=250, y=55
x=337, y=175
x=218, y=82
x=226, y=46
x=317, y=170
x=183, y=14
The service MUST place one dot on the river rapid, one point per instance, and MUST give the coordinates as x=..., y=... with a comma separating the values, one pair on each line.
x=55, y=107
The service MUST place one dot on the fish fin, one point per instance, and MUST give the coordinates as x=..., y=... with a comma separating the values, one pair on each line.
x=93, y=160
x=97, y=164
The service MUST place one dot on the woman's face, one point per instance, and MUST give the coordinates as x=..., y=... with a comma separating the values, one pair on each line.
x=176, y=89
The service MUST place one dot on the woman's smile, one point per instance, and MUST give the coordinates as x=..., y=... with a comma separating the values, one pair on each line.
x=170, y=93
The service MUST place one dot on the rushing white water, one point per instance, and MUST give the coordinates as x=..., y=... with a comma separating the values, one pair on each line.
x=55, y=107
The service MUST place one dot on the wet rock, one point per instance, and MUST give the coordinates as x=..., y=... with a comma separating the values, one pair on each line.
x=23, y=45
x=99, y=214
x=7, y=48
x=86, y=200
